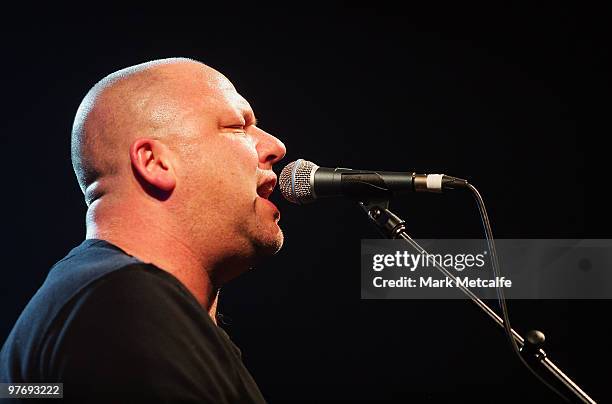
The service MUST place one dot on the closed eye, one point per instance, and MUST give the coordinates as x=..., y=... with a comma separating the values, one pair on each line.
x=237, y=129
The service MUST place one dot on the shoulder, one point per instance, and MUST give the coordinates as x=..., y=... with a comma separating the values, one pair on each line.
x=135, y=298
x=133, y=328
x=136, y=283
x=132, y=299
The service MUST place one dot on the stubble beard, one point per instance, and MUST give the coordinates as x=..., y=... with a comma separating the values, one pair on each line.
x=267, y=239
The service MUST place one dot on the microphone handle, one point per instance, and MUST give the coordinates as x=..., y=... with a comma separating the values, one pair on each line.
x=332, y=182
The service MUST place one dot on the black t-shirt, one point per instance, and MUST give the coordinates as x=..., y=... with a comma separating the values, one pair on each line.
x=113, y=328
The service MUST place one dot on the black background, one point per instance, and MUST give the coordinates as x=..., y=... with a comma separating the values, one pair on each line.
x=514, y=98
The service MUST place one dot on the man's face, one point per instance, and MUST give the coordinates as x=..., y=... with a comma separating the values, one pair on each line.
x=225, y=171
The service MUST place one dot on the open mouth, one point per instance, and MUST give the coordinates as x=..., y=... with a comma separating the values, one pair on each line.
x=266, y=187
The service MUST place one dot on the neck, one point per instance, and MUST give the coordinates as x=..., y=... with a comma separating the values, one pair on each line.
x=155, y=242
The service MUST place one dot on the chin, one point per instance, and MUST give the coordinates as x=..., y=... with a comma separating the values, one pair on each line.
x=269, y=245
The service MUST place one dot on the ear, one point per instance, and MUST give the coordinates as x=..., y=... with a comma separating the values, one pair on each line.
x=151, y=159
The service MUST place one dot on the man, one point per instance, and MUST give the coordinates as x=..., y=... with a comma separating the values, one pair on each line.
x=176, y=176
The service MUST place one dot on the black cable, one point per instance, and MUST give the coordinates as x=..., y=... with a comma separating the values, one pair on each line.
x=500, y=291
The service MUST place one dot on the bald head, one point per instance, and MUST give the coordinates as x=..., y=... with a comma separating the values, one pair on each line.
x=169, y=151
x=150, y=99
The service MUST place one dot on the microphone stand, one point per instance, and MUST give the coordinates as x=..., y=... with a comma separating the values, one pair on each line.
x=531, y=346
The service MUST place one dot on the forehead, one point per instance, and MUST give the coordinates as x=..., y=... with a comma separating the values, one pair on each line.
x=186, y=94
x=222, y=99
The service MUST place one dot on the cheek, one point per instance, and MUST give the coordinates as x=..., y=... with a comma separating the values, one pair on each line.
x=225, y=168
x=237, y=156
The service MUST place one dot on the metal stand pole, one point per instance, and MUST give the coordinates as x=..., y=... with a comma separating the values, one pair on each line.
x=394, y=227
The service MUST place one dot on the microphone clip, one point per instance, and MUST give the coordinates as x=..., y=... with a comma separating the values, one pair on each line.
x=389, y=224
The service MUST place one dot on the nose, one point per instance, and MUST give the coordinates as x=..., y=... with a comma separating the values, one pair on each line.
x=269, y=149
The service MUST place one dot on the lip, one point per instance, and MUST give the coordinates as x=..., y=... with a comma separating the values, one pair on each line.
x=267, y=185
x=273, y=206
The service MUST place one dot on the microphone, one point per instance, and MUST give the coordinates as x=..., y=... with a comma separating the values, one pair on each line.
x=302, y=181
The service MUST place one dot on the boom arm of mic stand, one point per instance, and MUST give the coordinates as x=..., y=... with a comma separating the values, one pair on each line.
x=393, y=227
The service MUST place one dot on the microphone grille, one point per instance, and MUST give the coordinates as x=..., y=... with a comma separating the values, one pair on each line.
x=295, y=181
